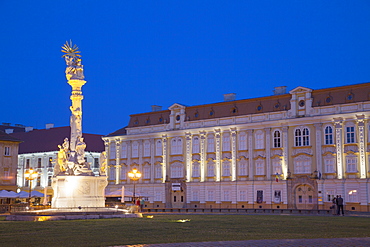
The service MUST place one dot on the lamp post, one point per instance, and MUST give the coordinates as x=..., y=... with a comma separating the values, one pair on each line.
x=30, y=175
x=134, y=175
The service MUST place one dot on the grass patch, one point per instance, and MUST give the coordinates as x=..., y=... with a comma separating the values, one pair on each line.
x=167, y=229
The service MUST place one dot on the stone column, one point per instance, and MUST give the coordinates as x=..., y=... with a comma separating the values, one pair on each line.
x=318, y=127
x=188, y=156
x=165, y=158
x=202, y=155
x=361, y=142
x=218, y=154
x=284, y=165
x=233, y=154
x=339, y=146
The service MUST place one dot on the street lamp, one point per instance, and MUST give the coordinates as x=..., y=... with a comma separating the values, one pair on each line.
x=30, y=175
x=134, y=175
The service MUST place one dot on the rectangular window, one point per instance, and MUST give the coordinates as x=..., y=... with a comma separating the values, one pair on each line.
x=211, y=195
x=226, y=195
x=242, y=195
x=157, y=196
x=39, y=163
x=112, y=151
x=195, y=196
x=158, y=171
x=259, y=196
x=211, y=145
x=146, y=172
x=96, y=162
x=210, y=170
x=226, y=143
x=124, y=151
x=49, y=180
x=112, y=173
x=124, y=172
x=352, y=196
x=350, y=134
x=329, y=165
x=351, y=164
x=50, y=164
x=195, y=145
x=260, y=169
x=27, y=163
x=242, y=142
x=158, y=148
x=146, y=149
x=135, y=149
x=277, y=196
x=276, y=166
x=6, y=151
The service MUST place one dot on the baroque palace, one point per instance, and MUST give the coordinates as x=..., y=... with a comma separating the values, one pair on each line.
x=292, y=150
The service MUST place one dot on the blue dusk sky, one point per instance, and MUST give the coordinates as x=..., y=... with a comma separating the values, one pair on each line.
x=142, y=53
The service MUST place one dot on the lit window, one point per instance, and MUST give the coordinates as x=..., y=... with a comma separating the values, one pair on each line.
x=352, y=196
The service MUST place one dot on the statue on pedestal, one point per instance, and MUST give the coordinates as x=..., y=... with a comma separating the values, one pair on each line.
x=103, y=163
x=74, y=70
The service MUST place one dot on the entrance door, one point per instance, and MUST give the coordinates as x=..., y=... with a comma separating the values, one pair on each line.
x=178, y=199
x=304, y=197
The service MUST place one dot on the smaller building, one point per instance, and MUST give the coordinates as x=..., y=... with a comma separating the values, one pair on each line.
x=8, y=161
x=39, y=151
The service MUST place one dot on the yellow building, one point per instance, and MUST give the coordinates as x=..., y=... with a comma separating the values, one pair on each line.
x=290, y=150
x=8, y=161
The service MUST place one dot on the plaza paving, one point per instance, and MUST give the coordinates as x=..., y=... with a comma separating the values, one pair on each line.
x=321, y=242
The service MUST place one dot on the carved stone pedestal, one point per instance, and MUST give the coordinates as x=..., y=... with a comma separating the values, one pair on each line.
x=78, y=191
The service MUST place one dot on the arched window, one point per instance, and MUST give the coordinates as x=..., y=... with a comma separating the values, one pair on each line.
x=158, y=148
x=242, y=141
x=196, y=145
x=176, y=145
x=328, y=135
x=210, y=144
x=259, y=143
x=302, y=137
x=277, y=139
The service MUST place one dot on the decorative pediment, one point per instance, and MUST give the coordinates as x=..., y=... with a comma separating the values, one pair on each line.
x=176, y=106
x=300, y=90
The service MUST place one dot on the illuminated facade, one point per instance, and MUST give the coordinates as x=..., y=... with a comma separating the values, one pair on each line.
x=289, y=150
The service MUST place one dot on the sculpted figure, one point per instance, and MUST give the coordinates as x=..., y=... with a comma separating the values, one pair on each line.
x=80, y=149
x=103, y=163
x=61, y=161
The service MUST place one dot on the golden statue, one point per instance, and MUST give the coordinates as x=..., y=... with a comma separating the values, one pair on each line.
x=72, y=57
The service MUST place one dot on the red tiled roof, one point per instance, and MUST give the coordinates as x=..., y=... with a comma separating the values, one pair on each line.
x=46, y=140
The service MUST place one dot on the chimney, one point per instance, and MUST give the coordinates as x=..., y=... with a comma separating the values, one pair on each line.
x=156, y=108
x=229, y=97
x=9, y=131
x=279, y=90
x=6, y=124
x=49, y=126
x=28, y=129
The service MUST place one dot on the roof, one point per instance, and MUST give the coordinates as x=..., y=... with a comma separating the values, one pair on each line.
x=15, y=129
x=6, y=137
x=119, y=132
x=46, y=140
x=281, y=102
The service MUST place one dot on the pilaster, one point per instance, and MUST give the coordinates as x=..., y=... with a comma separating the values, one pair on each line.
x=284, y=165
x=318, y=128
x=202, y=155
x=118, y=163
x=188, y=156
x=250, y=153
x=165, y=158
x=233, y=154
x=268, y=152
x=361, y=142
x=339, y=146
x=218, y=154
